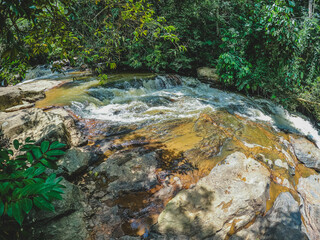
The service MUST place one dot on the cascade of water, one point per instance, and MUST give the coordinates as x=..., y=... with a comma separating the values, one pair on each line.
x=172, y=97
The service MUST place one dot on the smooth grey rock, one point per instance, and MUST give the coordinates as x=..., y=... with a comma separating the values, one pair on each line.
x=282, y=222
x=38, y=86
x=306, y=152
x=129, y=171
x=308, y=189
x=230, y=195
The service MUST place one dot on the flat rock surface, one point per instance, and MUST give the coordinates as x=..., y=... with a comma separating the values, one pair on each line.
x=227, y=199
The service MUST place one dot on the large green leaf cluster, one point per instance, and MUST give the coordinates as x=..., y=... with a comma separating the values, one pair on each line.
x=24, y=183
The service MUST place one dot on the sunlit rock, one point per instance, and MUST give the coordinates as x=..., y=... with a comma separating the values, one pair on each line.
x=224, y=201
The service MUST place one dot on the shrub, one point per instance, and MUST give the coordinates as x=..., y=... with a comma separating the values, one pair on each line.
x=24, y=183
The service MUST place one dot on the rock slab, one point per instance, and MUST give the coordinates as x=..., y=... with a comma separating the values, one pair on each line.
x=227, y=199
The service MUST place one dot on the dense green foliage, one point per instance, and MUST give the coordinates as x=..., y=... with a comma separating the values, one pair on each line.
x=24, y=183
x=261, y=47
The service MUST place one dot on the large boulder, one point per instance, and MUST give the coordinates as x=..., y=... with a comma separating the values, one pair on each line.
x=306, y=152
x=227, y=199
x=33, y=123
x=76, y=161
x=129, y=171
x=40, y=126
x=308, y=189
x=67, y=222
x=283, y=222
x=208, y=75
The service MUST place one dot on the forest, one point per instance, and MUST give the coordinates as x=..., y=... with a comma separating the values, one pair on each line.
x=266, y=48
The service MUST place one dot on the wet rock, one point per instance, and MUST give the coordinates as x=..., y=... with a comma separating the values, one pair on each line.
x=129, y=171
x=33, y=123
x=306, y=152
x=224, y=201
x=283, y=222
x=308, y=189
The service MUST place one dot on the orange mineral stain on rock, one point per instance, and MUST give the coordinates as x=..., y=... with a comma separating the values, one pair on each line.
x=275, y=190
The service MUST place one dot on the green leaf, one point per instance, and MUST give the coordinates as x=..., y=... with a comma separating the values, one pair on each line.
x=54, y=195
x=51, y=178
x=44, y=146
x=41, y=203
x=9, y=209
x=37, y=153
x=29, y=157
x=56, y=145
x=39, y=171
x=16, y=144
x=1, y=208
x=17, y=213
x=48, y=164
x=55, y=153
x=26, y=205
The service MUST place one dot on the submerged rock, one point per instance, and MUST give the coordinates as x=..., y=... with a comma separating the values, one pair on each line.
x=283, y=222
x=307, y=152
x=227, y=199
x=308, y=189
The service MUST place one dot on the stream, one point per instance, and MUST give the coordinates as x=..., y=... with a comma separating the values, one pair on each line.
x=160, y=134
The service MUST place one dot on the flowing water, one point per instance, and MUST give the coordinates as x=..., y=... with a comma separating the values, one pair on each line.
x=135, y=99
x=190, y=126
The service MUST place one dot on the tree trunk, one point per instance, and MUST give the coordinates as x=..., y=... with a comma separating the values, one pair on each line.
x=310, y=8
